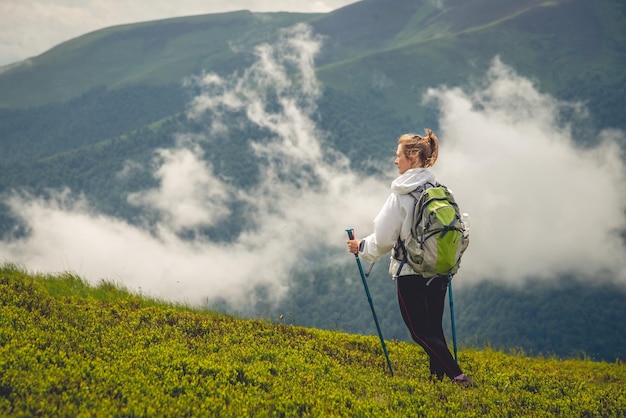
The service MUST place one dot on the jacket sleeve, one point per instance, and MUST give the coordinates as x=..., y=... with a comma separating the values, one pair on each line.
x=387, y=226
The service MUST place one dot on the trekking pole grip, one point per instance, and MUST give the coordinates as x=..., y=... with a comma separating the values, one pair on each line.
x=350, y=233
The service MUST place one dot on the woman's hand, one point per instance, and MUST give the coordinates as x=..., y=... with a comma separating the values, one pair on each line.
x=353, y=245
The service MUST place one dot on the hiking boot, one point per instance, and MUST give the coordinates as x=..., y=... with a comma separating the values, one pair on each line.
x=464, y=381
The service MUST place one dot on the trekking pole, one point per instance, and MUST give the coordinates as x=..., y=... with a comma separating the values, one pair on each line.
x=369, y=299
x=452, y=316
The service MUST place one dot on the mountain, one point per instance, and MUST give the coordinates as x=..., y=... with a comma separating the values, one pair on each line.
x=414, y=42
x=570, y=47
x=75, y=115
x=153, y=53
x=380, y=55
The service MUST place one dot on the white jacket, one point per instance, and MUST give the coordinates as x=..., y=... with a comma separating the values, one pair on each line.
x=394, y=219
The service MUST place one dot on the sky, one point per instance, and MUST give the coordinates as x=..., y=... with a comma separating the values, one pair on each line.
x=540, y=206
x=31, y=27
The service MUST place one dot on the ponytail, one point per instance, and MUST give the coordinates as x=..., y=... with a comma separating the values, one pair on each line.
x=433, y=143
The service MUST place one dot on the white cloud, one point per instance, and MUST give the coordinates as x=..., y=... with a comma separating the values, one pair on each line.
x=30, y=27
x=189, y=196
x=540, y=205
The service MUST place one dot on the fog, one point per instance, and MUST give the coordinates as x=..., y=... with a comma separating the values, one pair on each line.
x=540, y=206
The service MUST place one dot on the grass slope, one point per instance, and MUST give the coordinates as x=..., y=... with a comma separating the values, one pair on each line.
x=70, y=349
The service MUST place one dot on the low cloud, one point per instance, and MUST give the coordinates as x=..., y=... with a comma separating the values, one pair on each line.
x=540, y=205
x=189, y=195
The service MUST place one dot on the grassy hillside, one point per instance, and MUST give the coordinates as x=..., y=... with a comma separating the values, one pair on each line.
x=71, y=349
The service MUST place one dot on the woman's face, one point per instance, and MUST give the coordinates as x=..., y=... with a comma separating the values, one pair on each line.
x=401, y=161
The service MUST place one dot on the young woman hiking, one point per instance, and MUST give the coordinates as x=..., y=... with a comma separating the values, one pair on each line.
x=421, y=300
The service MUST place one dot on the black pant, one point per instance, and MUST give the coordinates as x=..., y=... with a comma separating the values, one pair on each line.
x=422, y=304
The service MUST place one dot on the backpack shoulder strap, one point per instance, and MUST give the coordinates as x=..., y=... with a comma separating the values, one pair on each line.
x=422, y=188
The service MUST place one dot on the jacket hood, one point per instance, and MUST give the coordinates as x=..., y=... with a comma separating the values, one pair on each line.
x=411, y=180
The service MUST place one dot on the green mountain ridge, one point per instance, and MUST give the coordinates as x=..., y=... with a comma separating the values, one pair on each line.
x=154, y=53
x=412, y=46
x=70, y=349
x=569, y=35
x=569, y=32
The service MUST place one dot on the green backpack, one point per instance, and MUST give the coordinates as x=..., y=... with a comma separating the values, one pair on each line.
x=439, y=235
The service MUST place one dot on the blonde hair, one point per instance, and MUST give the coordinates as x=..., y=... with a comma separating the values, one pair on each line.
x=424, y=149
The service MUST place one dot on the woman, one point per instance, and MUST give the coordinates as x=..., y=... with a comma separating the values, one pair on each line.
x=421, y=300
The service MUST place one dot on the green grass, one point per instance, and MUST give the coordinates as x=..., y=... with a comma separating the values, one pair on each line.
x=68, y=348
